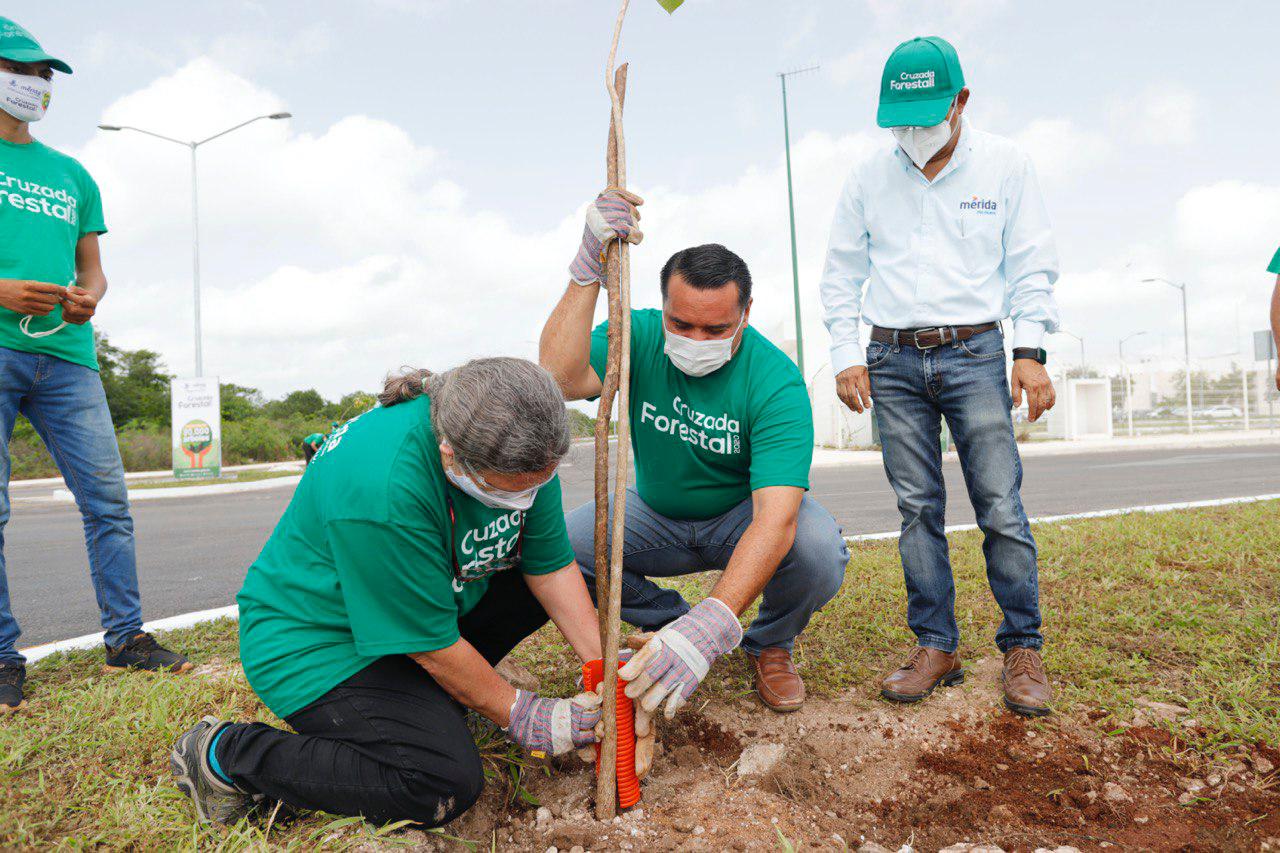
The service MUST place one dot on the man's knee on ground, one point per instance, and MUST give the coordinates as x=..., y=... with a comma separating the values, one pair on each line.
x=432, y=804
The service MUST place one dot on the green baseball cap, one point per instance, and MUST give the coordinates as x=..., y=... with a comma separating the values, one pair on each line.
x=920, y=80
x=18, y=45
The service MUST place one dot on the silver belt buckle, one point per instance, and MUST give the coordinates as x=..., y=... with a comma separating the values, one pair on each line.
x=942, y=337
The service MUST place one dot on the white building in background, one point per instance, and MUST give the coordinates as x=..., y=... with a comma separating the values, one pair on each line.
x=834, y=425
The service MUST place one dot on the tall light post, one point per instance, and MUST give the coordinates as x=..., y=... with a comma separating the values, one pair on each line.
x=791, y=209
x=1186, y=342
x=1128, y=380
x=1081, y=340
x=195, y=209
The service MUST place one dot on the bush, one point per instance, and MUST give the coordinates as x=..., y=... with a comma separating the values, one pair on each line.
x=144, y=449
x=256, y=440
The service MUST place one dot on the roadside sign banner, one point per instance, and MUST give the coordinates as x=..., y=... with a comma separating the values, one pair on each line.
x=196, y=414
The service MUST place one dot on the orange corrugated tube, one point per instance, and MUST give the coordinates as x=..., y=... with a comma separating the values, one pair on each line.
x=628, y=783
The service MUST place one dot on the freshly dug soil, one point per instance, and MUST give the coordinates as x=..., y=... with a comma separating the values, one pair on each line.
x=955, y=769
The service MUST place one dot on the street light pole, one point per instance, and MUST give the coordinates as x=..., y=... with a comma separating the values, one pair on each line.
x=1186, y=343
x=1128, y=380
x=1081, y=340
x=791, y=210
x=195, y=263
x=195, y=212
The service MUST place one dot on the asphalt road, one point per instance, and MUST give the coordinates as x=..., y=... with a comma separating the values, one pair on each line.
x=193, y=552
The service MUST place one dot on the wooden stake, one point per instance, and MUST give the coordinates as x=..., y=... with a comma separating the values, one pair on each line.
x=618, y=373
x=604, y=412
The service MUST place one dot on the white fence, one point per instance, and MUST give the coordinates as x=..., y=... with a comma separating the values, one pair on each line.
x=1146, y=399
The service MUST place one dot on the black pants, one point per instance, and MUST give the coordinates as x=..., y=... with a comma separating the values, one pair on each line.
x=388, y=743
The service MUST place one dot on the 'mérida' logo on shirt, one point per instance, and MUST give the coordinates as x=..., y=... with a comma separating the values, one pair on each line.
x=980, y=205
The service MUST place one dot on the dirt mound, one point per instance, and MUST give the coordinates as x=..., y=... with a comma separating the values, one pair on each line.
x=957, y=768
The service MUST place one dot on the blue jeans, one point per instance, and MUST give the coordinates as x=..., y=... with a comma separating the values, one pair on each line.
x=913, y=390
x=68, y=408
x=659, y=547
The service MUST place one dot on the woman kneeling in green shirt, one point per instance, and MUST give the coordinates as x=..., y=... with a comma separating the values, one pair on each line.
x=424, y=542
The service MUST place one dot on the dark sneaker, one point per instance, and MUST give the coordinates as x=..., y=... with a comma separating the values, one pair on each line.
x=143, y=652
x=215, y=800
x=12, y=677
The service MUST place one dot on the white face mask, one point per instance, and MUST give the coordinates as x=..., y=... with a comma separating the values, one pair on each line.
x=25, y=96
x=921, y=143
x=492, y=497
x=698, y=358
x=24, y=325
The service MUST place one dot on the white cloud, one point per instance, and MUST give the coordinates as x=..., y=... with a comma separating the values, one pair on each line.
x=1217, y=240
x=332, y=257
x=1060, y=149
x=1158, y=117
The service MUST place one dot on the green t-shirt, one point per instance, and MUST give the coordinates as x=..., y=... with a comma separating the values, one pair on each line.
x=362, y=563
x=704, y=444
x=1275, y=263
x=47, y=203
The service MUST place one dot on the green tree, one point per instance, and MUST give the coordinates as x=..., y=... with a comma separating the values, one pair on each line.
x=308, y=403
x=239, y=402
x=135, y=382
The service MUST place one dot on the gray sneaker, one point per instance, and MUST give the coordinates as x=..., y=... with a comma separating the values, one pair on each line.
x=215, y=800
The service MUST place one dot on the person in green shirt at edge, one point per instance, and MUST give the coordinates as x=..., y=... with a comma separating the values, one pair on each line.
x=51, y=282
x=722, y=432
x=1275, y=310
x=424, y=542
x=312, y=443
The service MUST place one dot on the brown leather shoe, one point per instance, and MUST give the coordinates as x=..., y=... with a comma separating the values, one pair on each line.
x=1026, y=685
x=924, y=670
x=779, y=685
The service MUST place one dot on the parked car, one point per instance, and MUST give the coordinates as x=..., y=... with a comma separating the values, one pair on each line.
x=1222, y=411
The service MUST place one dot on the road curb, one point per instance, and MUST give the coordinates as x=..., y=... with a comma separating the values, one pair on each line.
x=187, y=620
x=135, y=495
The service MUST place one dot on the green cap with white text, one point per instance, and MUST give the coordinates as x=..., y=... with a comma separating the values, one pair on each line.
x=920, y=80
x=18, y=45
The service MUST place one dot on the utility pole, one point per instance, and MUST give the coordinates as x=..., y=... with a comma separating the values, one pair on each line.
x=1186, y=343
x=195, y=211
x=1128, y=380
x=1081, y=340
x=791, y=209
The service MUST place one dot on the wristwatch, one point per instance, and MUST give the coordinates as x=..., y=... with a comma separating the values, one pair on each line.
x=1033, y=353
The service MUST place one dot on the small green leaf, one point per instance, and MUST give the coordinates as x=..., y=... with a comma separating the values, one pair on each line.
x=670, y=5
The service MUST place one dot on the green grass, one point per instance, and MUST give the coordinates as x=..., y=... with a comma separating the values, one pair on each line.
x=230, y=477
x=1179, y=607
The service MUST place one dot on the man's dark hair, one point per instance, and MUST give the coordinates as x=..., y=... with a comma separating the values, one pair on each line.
x=709, y=267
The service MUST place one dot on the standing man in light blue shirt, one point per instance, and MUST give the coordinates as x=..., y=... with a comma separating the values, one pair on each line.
x=948, y=234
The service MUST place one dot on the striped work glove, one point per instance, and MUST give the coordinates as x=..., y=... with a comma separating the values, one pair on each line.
x=554, y=726
x=675, y=661
x=611, y=216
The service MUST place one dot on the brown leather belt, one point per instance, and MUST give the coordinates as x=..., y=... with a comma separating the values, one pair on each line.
x=928, y=338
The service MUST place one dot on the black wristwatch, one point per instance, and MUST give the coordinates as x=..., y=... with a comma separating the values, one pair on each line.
x=1033, y=353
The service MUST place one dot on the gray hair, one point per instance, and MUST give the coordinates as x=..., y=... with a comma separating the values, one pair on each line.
x=498, y=414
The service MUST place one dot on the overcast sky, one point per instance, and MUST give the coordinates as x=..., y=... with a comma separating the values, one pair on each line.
x=423, y=204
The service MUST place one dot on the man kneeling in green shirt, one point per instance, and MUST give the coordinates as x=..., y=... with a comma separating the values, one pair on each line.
x=723, y=437
x=425, y=540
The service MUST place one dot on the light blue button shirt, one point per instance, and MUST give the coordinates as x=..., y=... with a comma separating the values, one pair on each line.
x=974, y=246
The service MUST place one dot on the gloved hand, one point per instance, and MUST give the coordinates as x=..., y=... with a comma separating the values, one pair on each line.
x=675, y=661
x=611, y=216
x=555, y=726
